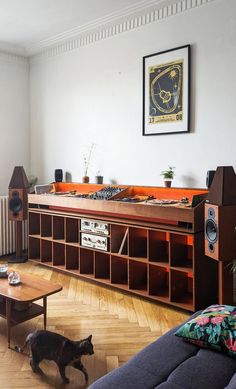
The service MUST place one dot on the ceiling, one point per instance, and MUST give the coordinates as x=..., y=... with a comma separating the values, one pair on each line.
x=25, y=24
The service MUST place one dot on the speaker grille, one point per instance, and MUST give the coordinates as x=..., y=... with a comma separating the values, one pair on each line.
x=211, y=231
x=15, y=203
x=211, y=213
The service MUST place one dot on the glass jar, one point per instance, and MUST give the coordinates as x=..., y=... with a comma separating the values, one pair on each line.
x=3, y=270
x=14, y=278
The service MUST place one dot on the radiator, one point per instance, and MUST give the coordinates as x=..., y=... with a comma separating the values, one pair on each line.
x=7, y=230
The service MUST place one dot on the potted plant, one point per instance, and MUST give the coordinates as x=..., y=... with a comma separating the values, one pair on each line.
x=85, y=178
x=168, y=176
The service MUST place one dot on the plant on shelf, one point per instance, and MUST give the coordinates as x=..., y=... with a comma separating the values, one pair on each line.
x=168, y=175
x=87, y=159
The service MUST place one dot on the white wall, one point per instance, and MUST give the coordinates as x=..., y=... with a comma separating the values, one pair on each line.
x=14, y=117
x=94, y=94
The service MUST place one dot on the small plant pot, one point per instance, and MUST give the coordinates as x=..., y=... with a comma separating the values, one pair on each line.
x=99, y=179
x=85, y=179
x=167, y=183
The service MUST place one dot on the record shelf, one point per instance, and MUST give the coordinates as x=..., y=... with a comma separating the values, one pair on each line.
x=151, y=250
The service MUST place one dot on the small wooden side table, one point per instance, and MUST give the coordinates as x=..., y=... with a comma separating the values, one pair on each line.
x=30, y=289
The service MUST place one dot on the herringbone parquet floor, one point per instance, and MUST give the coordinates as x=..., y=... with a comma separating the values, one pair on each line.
x=121, y=325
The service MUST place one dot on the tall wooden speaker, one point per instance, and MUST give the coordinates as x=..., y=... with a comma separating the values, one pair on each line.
x=17, y=208
x=220, y=228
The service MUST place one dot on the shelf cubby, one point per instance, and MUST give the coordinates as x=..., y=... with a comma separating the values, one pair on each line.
x=119, y=270
x=138, y=242
x=137, y=275
x=102, y=265
x=46, y=251
x=86, y=261
x=72, y=230
x=46, y=225
x=34, y=248
x=58, y=254
x=158, y=244
x=181, y=251
x=119, y=239
x=159, y=281
x=58, y=228
x=34, y=223
x=72, y=258
x=181, y=287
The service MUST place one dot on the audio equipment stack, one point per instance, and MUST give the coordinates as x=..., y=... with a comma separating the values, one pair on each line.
x=95, y=239
x=220, y=227
x=17, y=209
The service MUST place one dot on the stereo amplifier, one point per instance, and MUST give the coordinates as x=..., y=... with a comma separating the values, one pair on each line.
x=94, y=241
x=95, y=226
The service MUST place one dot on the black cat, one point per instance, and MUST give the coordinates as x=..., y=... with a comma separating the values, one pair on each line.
x=49, y=345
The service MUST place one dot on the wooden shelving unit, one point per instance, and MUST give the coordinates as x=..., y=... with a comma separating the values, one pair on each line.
x=164, y=262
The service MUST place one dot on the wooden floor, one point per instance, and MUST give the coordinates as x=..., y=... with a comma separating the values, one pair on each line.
x=121, y=325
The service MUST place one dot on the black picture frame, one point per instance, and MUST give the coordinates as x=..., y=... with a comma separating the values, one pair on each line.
x=166, y=92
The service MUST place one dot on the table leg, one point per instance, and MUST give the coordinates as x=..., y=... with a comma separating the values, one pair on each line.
x=45, y=312
x=8, y=317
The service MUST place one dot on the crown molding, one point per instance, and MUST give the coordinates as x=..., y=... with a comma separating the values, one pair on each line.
x=14, y=58
x=11, y=48
x=13, y=54
x=97, y=23
x=128, y=19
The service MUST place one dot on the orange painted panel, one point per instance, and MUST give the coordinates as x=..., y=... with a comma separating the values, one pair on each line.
x=190, y=240
x=157, y=192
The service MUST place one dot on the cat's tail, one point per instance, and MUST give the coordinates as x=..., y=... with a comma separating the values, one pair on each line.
x=27, y=341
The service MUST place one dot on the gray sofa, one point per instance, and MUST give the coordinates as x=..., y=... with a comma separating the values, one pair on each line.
x=172, y=363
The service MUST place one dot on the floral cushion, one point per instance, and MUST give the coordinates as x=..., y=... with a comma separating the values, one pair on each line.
x=215, y=327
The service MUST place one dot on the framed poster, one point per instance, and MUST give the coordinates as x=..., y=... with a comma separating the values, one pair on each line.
x=166, y=92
